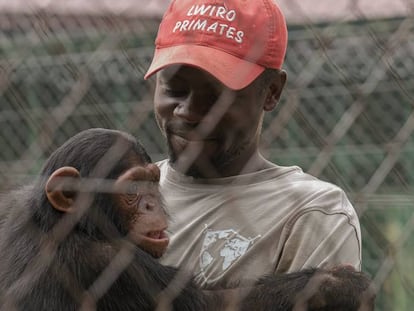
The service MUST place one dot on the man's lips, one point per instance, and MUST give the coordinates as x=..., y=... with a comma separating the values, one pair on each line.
x=189, y=133
x=193, y=137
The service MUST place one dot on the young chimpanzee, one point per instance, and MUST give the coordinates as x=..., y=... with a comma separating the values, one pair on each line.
x=86, y=235
x=68, y=241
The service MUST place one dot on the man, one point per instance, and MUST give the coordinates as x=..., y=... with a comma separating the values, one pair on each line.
x=234, y=214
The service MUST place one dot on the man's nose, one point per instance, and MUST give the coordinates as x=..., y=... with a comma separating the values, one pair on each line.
x=193, y=108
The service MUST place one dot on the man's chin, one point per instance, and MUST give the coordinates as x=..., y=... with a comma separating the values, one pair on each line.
x=181, y=148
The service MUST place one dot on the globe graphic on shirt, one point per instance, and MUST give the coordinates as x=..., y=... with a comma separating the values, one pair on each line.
x=222, y=247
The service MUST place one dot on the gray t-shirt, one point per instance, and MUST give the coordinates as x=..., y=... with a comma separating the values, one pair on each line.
x=276, y=220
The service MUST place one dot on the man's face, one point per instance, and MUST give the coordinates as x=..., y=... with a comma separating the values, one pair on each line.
x=211, y=130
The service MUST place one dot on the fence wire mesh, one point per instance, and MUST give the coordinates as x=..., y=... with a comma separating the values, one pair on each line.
x=346, y=115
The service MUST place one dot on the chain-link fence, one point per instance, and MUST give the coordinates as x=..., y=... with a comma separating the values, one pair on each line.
x=347, y=114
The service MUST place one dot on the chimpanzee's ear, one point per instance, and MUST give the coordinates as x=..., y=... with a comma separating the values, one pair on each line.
x=57, y=191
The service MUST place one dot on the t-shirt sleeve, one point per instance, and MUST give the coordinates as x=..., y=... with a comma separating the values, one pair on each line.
x=321, y=239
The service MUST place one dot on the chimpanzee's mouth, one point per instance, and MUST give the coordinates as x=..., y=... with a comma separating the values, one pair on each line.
x=157, y=235
x=154, y=242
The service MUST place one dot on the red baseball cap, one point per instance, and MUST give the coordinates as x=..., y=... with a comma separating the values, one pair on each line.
x=233, y=40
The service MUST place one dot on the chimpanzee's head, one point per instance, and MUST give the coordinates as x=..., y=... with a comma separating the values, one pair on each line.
x=106, y=184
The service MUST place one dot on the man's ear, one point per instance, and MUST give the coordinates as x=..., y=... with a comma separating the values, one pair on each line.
x=58, y=188
x=275, y=90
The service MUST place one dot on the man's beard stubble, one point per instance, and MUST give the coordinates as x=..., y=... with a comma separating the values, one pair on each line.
x=203, y=166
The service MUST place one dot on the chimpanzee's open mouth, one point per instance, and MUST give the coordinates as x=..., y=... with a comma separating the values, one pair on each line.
x=157, y=235
x=154, y=242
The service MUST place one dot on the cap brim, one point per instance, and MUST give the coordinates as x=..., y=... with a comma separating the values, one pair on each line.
x=232, y=71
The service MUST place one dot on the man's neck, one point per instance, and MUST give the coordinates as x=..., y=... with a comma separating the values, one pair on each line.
x=207, y=171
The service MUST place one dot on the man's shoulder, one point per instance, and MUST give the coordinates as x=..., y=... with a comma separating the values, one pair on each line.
x=295, y=177
x=308, y=192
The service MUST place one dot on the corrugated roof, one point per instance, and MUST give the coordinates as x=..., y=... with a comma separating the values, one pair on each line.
x=299, y=11
x=296, y=11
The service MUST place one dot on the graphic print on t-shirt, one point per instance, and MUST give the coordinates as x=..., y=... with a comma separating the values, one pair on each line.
x=220, y=250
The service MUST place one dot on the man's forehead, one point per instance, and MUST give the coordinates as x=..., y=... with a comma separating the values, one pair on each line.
x=185, y=72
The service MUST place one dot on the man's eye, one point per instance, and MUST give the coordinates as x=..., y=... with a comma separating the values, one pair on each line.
x=176, y=92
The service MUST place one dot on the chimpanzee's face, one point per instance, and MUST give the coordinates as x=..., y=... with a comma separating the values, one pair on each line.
x=140, y=206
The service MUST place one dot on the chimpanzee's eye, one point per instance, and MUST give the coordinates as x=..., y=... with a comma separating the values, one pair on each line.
x=132, y=188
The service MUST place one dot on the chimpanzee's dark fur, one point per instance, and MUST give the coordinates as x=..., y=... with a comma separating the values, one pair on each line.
x=339, y=289
x=44, y=267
